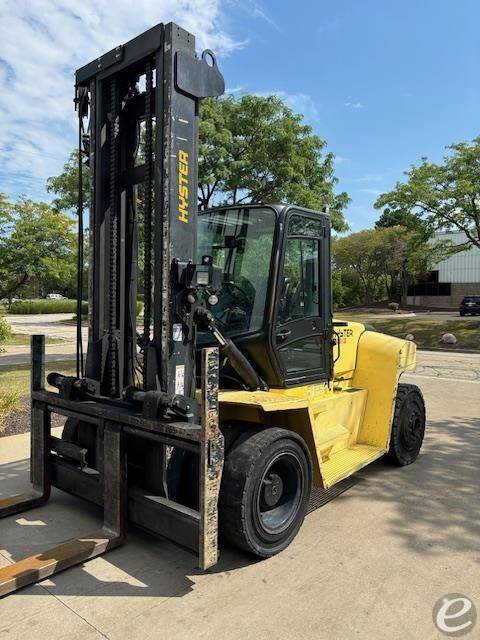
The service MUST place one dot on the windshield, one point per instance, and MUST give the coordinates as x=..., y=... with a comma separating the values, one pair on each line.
x=240, y=242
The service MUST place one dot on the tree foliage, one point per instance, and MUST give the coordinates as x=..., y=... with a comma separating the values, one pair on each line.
x=256, y=149
x=36, y=243
x=441, y=196
x=65, y=185
x=406, y=219
x=383, y=259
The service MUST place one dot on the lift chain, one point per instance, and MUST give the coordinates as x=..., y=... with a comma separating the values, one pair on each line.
x=147, y=288
x=82, y=105
x=112, y=308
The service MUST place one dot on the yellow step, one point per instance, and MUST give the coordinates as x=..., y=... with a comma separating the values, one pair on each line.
x=343, y=463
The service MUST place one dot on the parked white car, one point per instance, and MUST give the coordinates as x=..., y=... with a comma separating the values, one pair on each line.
x=54, y=296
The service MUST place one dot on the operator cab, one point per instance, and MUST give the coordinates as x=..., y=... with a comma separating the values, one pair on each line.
x=275, y=301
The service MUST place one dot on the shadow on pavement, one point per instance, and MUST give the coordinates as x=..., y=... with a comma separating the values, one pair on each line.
x=435, y=504
x=436, y=500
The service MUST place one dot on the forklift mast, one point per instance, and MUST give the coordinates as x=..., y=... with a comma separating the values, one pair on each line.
x=138, y=125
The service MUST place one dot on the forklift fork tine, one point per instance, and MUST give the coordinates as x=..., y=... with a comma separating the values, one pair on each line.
x=40, y=435
x=75, y=551
x=22, y=502
x=65, y=555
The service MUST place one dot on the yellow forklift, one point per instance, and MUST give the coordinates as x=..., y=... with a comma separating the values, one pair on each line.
x=239, y=391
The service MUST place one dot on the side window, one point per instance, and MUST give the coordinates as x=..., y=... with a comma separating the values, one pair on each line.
x=303, y=354
x=300, y=295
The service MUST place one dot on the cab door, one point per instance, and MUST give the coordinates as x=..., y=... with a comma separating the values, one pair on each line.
x=303, y=310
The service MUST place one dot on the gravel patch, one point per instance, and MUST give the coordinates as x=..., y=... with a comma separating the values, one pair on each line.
x=19, y=421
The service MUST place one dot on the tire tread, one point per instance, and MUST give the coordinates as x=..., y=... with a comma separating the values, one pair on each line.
x=238, y=469
x=403, y=390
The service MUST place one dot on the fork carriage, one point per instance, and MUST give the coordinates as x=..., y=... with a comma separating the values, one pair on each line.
x=57, y=463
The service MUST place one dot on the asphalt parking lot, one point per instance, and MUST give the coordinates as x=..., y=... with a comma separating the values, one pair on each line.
x=369, y=564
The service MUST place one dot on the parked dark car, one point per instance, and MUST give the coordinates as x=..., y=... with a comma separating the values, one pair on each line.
x=470, y=304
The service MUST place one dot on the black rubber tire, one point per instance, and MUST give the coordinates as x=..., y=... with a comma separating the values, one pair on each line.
x=254, y=454
x=462, y=313
x=408, y=426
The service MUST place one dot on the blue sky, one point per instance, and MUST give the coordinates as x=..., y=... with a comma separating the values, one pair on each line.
x=384, y=82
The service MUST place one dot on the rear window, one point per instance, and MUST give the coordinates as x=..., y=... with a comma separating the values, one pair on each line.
x=471, y=299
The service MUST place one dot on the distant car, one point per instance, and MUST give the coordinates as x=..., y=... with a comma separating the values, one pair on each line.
x=470, y=304
x=54, y=296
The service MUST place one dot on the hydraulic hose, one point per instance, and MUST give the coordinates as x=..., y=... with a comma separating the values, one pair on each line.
x=228, y=348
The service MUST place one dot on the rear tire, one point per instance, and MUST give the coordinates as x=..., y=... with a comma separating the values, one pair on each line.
x=408, y=426
x=265, y=490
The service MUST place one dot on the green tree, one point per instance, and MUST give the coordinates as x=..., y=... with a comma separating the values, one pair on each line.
x=406, y=219
x=384, y=259
x=257, y=150
x=347, y=289
x=65, y=185
x=36, y=243
x=362, y=253
x=443, y=196
x=251, y=150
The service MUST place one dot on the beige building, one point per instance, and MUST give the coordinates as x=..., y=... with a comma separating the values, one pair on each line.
x=451, y=279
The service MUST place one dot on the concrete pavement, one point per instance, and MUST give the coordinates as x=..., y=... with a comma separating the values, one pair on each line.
x=448, y=365
x=50, y=325
x=370, y=564
x=442, y=315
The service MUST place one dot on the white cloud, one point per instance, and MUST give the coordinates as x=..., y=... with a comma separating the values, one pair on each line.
x=260, y=12
x=42, y=42
x=369, y=177
x=372, y=192
x=298, y=102
x=340, y=160
x=233, y=90
x=354, y=105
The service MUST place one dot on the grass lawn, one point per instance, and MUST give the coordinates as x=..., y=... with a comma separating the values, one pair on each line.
x=17, y=379
x=20, y=339
x=427, y=333
x=73, y=321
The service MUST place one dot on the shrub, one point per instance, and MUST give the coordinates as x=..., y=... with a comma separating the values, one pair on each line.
x=9, y=402
x=85, y=309
x=47, y=306
x=394, y=306
x=5, y=330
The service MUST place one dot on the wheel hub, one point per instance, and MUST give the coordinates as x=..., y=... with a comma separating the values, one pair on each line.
x=411, y=431
x=272, y=489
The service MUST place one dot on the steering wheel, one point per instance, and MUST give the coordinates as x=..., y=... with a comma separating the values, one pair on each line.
x=234, y=285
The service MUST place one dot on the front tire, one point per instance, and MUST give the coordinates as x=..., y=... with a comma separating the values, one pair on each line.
x=408, y=426
x=265, y=490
